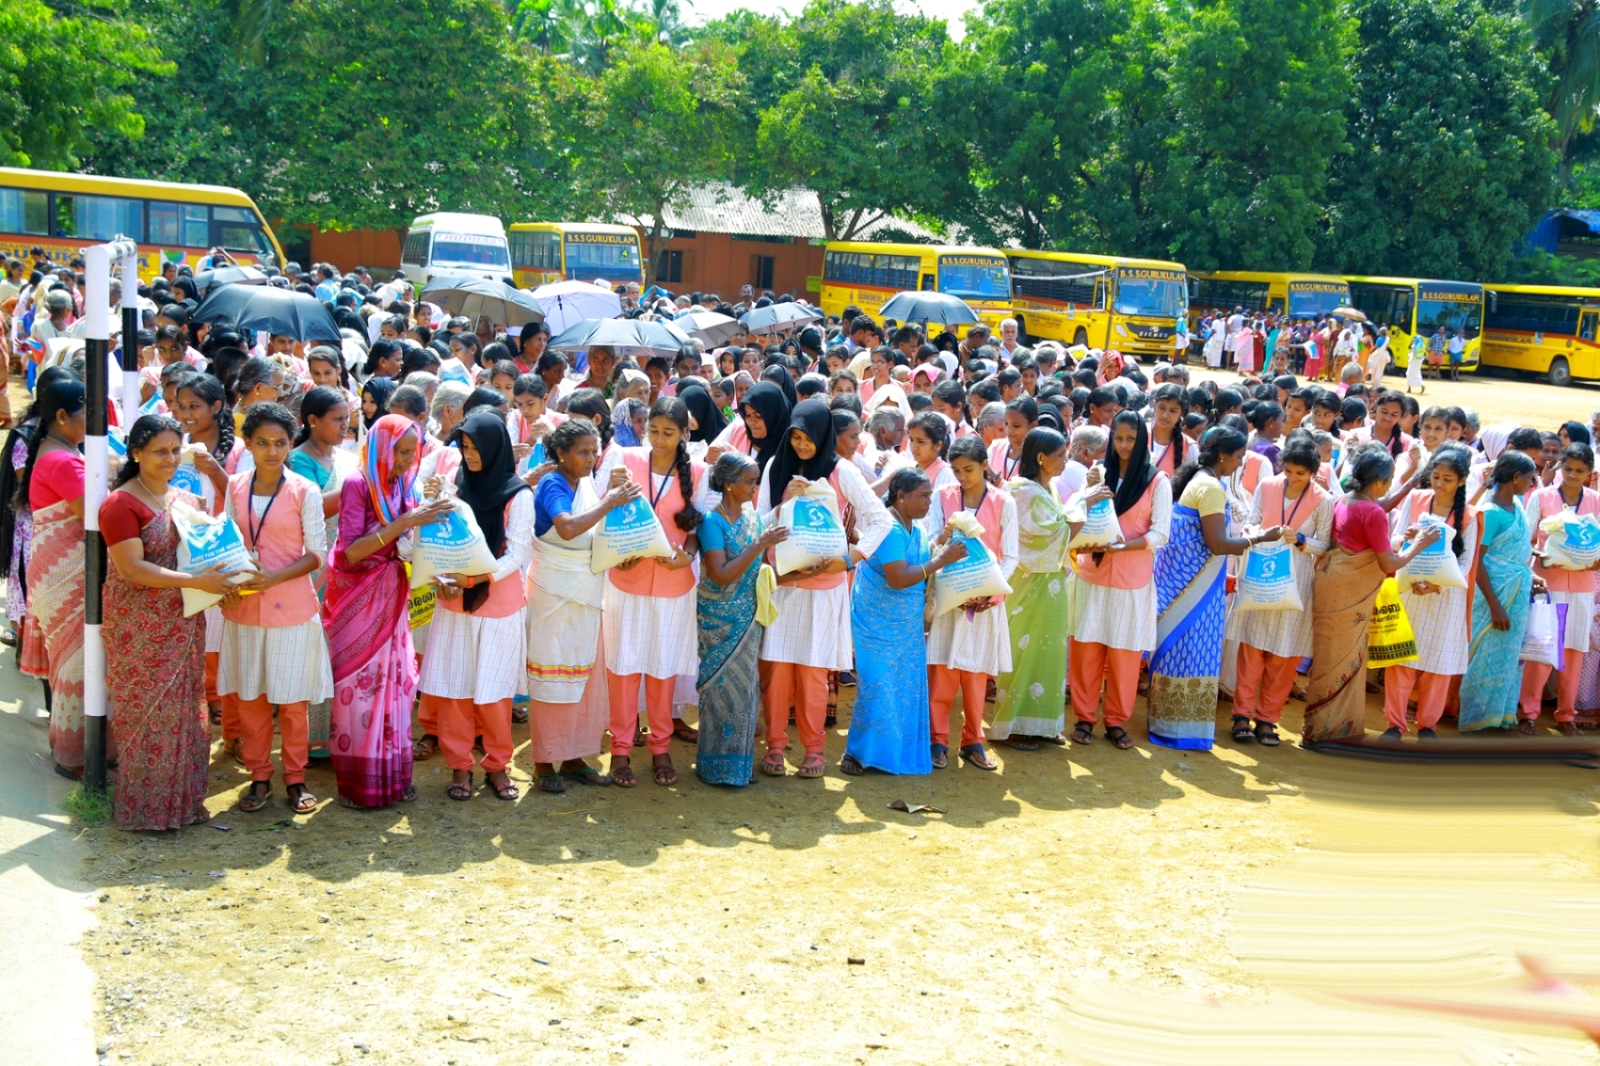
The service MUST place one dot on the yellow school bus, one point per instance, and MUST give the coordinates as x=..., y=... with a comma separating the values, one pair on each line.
x=542, y=252
x=1542, y=329
x=1307, y=296
x=866, y=274
x=61, y=213
x=1420, y=307
x=1099, y=301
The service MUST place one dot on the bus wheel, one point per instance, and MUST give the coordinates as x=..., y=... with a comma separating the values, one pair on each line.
x=1560, y=373
x=1022, y=331
x=1081, y=337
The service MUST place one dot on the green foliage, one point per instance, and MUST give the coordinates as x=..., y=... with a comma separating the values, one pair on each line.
x=1451, y=161
x=63, y=76
x=89, y=809
x=1567, y=33
x=1541, y=268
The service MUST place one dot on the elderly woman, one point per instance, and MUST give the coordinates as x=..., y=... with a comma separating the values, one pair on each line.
x=447, y=413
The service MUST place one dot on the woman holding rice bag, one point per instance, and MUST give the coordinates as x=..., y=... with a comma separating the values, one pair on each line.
x=1438, y=615
x=273, y=648
x=477, y=645
x=649, y=623
x=569, y=698
x=155, y=657
x=1273, y=643
x=1491, y=689
x=812, y=634
x=1030, y=698
x=970, y=646
x=1114, y=602
x=1570, y=497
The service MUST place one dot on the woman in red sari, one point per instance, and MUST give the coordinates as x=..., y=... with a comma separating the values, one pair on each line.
x=368, y=623
x=155, y=657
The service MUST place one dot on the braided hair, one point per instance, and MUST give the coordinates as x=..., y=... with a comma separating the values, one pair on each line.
x=209, y=391
x=1459, y=459
x=591, y=404
x=145, y=430
x=934, y=425
x=1391, y=396
x=676, y=411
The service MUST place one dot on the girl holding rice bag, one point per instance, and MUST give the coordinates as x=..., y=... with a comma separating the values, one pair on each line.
x=968, y=647
x=1572, y=498
x=1438, y=614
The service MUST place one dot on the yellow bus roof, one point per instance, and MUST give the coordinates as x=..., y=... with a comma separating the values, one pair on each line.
x=573, y=227
x=96, y=184
x=1098, y=260
x=1575, y=291
x=1267, y=275
x=1407, y=281
x=912, y=249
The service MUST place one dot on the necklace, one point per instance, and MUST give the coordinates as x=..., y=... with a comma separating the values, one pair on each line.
x=159, y=503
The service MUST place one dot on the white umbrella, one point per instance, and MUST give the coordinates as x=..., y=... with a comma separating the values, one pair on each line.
x=775, y=318
x=628, y=336
x=568, y=302
x=709, y=326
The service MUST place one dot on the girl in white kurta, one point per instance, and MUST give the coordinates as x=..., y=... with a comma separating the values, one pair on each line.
x=651, y=633
x=273, y=651
x=1272, y=644
x=477, y=657
x=1575, y=588
x=1438, y=616
x=812, y=634
x=966, y=652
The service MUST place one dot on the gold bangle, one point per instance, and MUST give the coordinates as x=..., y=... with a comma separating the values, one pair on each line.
x=380, y=539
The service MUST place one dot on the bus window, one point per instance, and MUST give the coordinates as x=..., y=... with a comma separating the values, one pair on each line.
x=99, y=218
x=1456, y=313
x=1586, y=325
x=534, y=250
x=1315, y=299
x=591, y=256
x=470, y=249
x=1157, y=297
x=240, y=230
x=974, y=277
x=179, y=225
x=929, y=283
x=24, y=211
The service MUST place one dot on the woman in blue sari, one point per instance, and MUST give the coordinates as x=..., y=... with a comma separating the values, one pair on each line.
x=1493, y=683
x=731, y=545
x=889, y=723
x=1191, y=596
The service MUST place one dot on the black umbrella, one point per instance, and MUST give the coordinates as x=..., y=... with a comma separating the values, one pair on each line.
x=229, y=275
x=474, y=298
x=937, y=307
x=261, y=307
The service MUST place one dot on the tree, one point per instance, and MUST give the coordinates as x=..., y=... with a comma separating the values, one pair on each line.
x=659, y=123
x=1567, y=33
x=62, y=77
x=1451, y=159
x=1258, y=89
x=845, y=99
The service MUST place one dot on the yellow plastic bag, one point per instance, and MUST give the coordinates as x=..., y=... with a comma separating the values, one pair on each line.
x=766, y=603
x=1389, y=638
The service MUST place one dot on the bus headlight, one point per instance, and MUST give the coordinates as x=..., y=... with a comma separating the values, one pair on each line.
x=1121, y=331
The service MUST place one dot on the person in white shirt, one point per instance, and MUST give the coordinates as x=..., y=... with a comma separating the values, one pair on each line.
x=1008, y=339
x=1087, y=447
x=11, y=285
x=53, y=324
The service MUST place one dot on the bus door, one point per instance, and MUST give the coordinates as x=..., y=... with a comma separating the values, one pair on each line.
x=929, y=283
x=1586, y=325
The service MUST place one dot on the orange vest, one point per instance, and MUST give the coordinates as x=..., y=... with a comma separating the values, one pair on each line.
x=649, y=577
x=281, y=544
x=506, y=595
x=1125, y=569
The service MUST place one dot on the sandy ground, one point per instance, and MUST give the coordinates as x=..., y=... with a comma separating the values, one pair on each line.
x=1082, y=905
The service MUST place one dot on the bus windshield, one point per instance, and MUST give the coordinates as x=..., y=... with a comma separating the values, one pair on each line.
x=974, y=277
x=1453, y=311
x=1315, y=299
x=471, y=250
x=591, y=256
x=1158, y=297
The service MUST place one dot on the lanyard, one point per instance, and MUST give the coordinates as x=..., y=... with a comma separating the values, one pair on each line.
x=655, y=495
x=256, y=528
x=982, y=498
x=1011, y=467
x=1302, y=499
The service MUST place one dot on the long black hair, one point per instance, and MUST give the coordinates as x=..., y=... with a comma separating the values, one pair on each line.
x=26, y=429
x=145, y=430
x=676, y=411
x=1458, y=457
x=1040, y=441
x=1217, y=442
x=938, y=430
x=64, y=397
x=1394, y=443
x=209, y=391
x=591, y=403
x=1129, y=485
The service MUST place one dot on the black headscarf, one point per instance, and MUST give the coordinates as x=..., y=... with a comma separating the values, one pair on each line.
x=489, y=490
x=812, y=418
x=380, y=388
x=1129, y=487
x=708, y=419
x=779, y=376
x=1578, y=433
x=768, y=400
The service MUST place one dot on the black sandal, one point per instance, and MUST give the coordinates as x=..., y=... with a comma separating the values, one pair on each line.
x=253, y=800
x=1241, y=729
x=506, y=792
x=850, y=765
x=941, y=755
x=301, y=801
x=1119, y=737
x=1083, y=733
x=1267, y=735
x=460, y=790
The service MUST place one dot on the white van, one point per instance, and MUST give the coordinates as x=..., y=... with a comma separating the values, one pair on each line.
x=449, y=243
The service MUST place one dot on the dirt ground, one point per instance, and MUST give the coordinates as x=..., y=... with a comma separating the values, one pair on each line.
x=1085, y=905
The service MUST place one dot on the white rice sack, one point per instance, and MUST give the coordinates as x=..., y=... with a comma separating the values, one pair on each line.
x=1435, y=564
x=1100, y=525
x=452, y=545
x=975, y=577
x=631, y=531
x=1573, y=543
x=1266, y=580
x=188, y=476
x=815, y=530
x=205, y=541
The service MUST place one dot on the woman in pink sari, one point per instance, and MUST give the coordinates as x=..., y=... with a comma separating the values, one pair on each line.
x=367, y=620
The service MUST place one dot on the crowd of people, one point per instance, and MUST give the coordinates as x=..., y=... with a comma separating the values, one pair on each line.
x=1325, y=348
x=330, y=459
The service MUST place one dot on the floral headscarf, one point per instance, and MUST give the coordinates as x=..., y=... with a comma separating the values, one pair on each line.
x=377, y=459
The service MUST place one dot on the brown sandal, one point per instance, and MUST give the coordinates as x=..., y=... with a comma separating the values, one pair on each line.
x=664, y=772
x=622, y=776
x=426, y=747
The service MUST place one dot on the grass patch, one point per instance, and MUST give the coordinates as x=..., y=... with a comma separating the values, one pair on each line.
x=87, y=808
